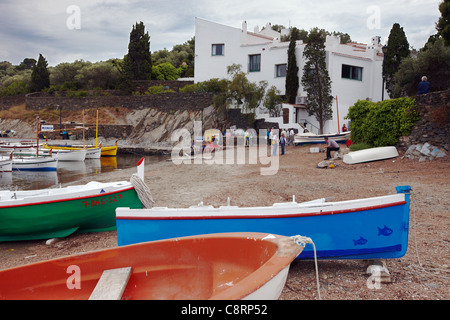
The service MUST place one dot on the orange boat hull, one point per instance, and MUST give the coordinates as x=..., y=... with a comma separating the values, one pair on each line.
x=217, y=266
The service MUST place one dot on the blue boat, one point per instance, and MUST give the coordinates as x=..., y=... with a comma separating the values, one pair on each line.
x=371, y=228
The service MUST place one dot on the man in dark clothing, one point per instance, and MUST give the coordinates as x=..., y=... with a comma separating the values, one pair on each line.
x=331, y=146
x=424, y=86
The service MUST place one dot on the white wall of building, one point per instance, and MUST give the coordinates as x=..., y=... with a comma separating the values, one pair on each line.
x=239, y=43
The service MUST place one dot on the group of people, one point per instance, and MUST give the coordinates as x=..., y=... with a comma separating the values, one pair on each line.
x=283, y=138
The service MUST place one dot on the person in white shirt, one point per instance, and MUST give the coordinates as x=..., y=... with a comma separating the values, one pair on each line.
x=331, y=146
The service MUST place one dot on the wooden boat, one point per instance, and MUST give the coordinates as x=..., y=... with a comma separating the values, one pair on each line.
x=216, y=266
x=34, y=164
x=59, y=212
x=372, y=154
x=70, y=155
x=109, y=151
x=371, y=228
x=6, y=165
x=309, y=137
x=93, y=153
x=15, y=146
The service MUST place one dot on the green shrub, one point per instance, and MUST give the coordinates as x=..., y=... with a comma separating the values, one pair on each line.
x=382, y=123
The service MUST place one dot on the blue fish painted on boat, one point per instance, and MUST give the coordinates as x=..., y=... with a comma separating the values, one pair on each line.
x=385, y=231
x=361, y=241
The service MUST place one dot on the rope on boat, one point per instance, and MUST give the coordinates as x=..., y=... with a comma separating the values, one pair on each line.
x=301, y=240
x=432, y=271
x=142, y=191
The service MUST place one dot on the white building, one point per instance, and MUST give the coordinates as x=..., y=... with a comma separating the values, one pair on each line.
x=355, y=69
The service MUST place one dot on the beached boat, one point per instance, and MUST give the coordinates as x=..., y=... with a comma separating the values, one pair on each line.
x=372, y=154
x=309, y=137
x=59, y=212
x=371, y=228
x=34, y=163
x=217, y=266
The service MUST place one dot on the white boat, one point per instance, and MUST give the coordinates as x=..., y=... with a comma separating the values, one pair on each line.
x=309, y=137
x=6, y=165
x=93, y=153
x=15, y=146
x=34, y=164
x=69, y=155
x=372, y=154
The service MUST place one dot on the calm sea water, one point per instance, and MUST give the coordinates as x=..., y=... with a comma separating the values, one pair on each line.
x=70, y=172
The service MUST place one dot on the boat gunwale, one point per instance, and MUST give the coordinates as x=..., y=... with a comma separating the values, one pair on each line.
x=259, y=216
x=128, y=188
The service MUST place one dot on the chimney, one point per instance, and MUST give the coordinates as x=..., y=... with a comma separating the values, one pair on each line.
x=244, y=27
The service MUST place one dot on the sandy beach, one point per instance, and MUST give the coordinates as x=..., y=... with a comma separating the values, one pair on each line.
x=423, y=273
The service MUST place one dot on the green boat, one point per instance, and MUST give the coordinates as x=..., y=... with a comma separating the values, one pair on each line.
x=59, y=212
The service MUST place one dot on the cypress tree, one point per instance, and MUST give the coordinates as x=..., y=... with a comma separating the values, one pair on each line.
x=398, y=49
x=292, y=81
x=138, y=61
x=40, y=76
x=316, y=80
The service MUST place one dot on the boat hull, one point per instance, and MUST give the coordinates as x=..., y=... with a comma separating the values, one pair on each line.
x=307, y=138
x=33, y=164
x=110, y=151
x=54, y=216
x=372, y=154
x=372, y=228
x=5, y=165
x=220, y=266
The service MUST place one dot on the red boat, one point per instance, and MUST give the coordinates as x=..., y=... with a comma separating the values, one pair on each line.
x=216, y=266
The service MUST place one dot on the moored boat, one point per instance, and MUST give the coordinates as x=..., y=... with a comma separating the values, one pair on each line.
x=34, y=163
x=309, y=137
x=6, y=165
x=109, y=151
x=370, y=228
x=59, y=212
x=70, y=155
x=372, y=154
x=215, y=266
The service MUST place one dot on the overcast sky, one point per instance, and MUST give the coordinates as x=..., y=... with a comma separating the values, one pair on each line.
x=94, y=30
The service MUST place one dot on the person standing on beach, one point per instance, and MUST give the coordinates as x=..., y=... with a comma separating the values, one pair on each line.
x=282, y=143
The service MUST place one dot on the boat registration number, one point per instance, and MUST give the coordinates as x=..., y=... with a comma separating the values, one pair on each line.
x=102, y=201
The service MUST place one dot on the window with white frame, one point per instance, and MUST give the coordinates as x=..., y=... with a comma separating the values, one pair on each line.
x=254, y=63
x=280, y=70
x=352, y=72
x=218, y=49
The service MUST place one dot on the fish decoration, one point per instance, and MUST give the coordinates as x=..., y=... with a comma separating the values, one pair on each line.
x=361, y=241
x=385, y=231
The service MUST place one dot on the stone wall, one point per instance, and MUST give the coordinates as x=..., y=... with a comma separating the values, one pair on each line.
x=434, y=126
x=163, y=101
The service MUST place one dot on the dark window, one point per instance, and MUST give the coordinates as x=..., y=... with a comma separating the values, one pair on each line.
x=218, y=49
x=254, y=63
x=352, y=72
